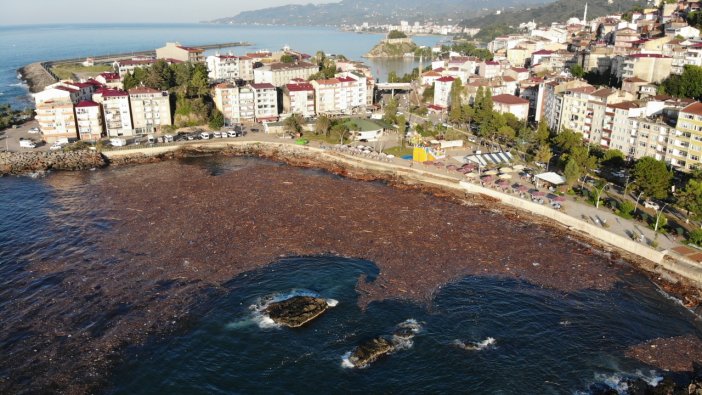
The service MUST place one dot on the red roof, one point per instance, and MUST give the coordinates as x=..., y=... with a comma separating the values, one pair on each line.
x=648, y=55
x=492, y=63
x=299, y=87
x=105, y=92
x=627, y=105
x=445, y=79
x=67, y=89
x=543, y=52
x=346, y=79
x=110, y=76
x=191, y=49
x=520, y=69
x=143, y=89
x=509, y=99
x=87, y=103
x=262, y=86
x=440, y=69
x=694, y=108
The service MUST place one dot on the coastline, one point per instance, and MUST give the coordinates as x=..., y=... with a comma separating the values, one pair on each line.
x=300, y=226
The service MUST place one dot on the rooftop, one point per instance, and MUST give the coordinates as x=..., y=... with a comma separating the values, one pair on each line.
x=694, y=108
x=87, y=103
x=509, y=99
x=262, y=86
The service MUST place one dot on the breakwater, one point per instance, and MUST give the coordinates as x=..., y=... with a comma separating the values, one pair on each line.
x=16, y=163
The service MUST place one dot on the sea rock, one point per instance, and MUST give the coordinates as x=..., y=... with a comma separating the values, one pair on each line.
x=369, y=351
x=296, y=311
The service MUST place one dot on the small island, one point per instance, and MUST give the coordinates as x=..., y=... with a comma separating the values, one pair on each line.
x=395, y=45
x=296, y=311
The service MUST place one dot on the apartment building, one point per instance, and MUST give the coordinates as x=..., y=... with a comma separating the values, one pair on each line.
x=117, y=115
x=265, y=101
x=652, y=138
x=236, y=103
x=279, y=74
x=178, y=52
x=298, y=98
x=489, y=69
x=89, y=120
x=56, y=120
x=685, y=147
x=230, y=68
x=151, y=109
x=442, y=91
x=648, y=67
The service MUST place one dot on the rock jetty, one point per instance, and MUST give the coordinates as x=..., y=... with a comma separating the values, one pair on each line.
x=16, y=163
x=36, y=76
x=296, y=311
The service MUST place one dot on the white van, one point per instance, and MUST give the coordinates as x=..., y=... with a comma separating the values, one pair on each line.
x=24, y=143
x=205, y=136
x=118, y=142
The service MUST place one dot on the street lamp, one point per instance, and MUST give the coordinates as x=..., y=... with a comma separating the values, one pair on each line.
x=599, y=192
x=637, y=202
x=626, y=187
x=658, y=217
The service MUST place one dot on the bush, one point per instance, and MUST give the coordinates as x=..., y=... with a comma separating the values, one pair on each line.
x=625, y=210
x=695, y=237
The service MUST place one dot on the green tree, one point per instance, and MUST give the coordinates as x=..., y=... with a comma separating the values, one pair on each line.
x=456, y=111
x=323, y=125
x=690, y=198
x=543, y=154
x=689, y=84
x=293, y=124
x=542, y=133
x=652, y=177
x=567, y=140
x=396, y=34
x=577, y=71
x=341, y=131
x=390, y=111
x=571, y=172
x=625, y=209
x=287, y=58
x=401, y=129
x=613, y=158
x=199, y=83
x=428, y=94
x=216, y=121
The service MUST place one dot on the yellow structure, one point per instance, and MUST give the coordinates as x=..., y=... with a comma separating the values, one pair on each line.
x=425, y=154
x=685, y=149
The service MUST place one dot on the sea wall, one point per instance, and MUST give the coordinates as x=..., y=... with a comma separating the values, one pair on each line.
x=33, y=162
x=37, y=76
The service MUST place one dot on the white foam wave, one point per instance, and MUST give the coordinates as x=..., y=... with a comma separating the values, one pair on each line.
x=18, y=84
x=476, y=346
x=240, y=324
x=411, y=324
x=619, y=381
x=345, y=362
x=332, y=302
x=264, y=321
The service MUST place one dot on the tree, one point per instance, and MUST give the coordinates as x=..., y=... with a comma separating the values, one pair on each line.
x=571, y=172
x=543, y=155
x=396, y=34
x=577, y=71
x=287, y=58
x=455, y=114
x=613, y=158
x=542, y=133
x=390, y=111
x=341, y=130
x=691, y=197
x=626, y=208
x=689, y=84
x=293, y=124
x=216, y=120
x=323, y=125
x=401, y=129
x=567, y=140
x=199, y=83
x=652, y=177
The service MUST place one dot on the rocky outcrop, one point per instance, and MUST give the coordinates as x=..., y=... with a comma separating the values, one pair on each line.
x=296, y=311
x=369, y=351
x=394, y=48
x=36, y=162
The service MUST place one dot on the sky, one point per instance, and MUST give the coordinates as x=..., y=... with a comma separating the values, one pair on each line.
x=23, y=12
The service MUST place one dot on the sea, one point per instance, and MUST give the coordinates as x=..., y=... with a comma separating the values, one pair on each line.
x=21, y=45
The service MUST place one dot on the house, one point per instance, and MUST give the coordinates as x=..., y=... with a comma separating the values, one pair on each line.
x=518, y=73
x=489, y=69
x=151, y=109
x=110, y=80
x=511, y=104
x=178, y=52
x=265, y=102
x=117, y=114
x=442, y=91
x=230, y=68
x=429, y=77
x=89, y=120
x=298, y=98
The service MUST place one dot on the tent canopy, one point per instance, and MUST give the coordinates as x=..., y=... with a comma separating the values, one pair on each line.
x=551, y=178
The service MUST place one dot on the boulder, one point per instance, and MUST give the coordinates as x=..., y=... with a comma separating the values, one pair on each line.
x=296, y=311
x=370, y=350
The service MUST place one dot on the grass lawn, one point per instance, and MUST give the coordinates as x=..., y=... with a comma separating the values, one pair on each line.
x=332, y=139
x=66, y=71
x=399, y=151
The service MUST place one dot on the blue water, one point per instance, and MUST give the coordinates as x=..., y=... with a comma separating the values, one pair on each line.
x=21, y=45
x=545, y=343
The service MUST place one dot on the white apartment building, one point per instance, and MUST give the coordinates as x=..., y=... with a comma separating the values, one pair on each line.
x=511, y=104
x=279, y=74
x=299, y=98
x=489, y=69
x=442, y=91
x=117, y=114
x=342, y=94
x=56, y=120
x=266, y=102
x=151, y=109
x=235, y=103
x=89, y=120
x=230, y=68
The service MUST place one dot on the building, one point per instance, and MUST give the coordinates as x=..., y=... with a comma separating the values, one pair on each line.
x=511, y=104
x=280, y=74
x=236, y=103
x=685, y=147
x=442, y=91
x=648, y=67
x=89, y=120
x=344, y=94
x=56, y=120
x=151, y=109
x=299, y=98
x=110, y=80
x=178, y=52
x=230, y=68
x=489, y=69
x=265, y=102
x=117, y=115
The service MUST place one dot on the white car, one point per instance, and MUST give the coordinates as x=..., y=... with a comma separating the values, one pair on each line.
x=56, y=146
x=205, y=136
x=653, y=205
x=33, y=130
x=217, y=135
x=27, y=143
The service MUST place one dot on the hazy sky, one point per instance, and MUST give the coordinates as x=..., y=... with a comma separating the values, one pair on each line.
x=20, y=12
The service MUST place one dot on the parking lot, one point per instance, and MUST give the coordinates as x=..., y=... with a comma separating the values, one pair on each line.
x=10, y=138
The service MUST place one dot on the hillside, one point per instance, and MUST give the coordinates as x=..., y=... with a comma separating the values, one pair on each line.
x=348, y=12
x=560, y=11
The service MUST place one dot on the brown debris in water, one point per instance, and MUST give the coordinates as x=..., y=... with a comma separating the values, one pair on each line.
x=675, y=354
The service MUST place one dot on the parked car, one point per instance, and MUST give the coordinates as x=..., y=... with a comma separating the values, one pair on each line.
x=233, y=133
x=192, y=136
x=205, y=136
x=56, y=146
x=217, y=135
x=25, y=143
x=651, y=204
x=118, y=142
x=33, y=130
x=168, y=138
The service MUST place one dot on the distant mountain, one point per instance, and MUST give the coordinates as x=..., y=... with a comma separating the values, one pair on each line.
x=560, y=11
x=348, y=12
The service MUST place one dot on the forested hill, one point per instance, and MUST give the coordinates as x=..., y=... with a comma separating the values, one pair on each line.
x=373, y=11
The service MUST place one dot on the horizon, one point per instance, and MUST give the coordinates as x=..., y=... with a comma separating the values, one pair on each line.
x=155, y=11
